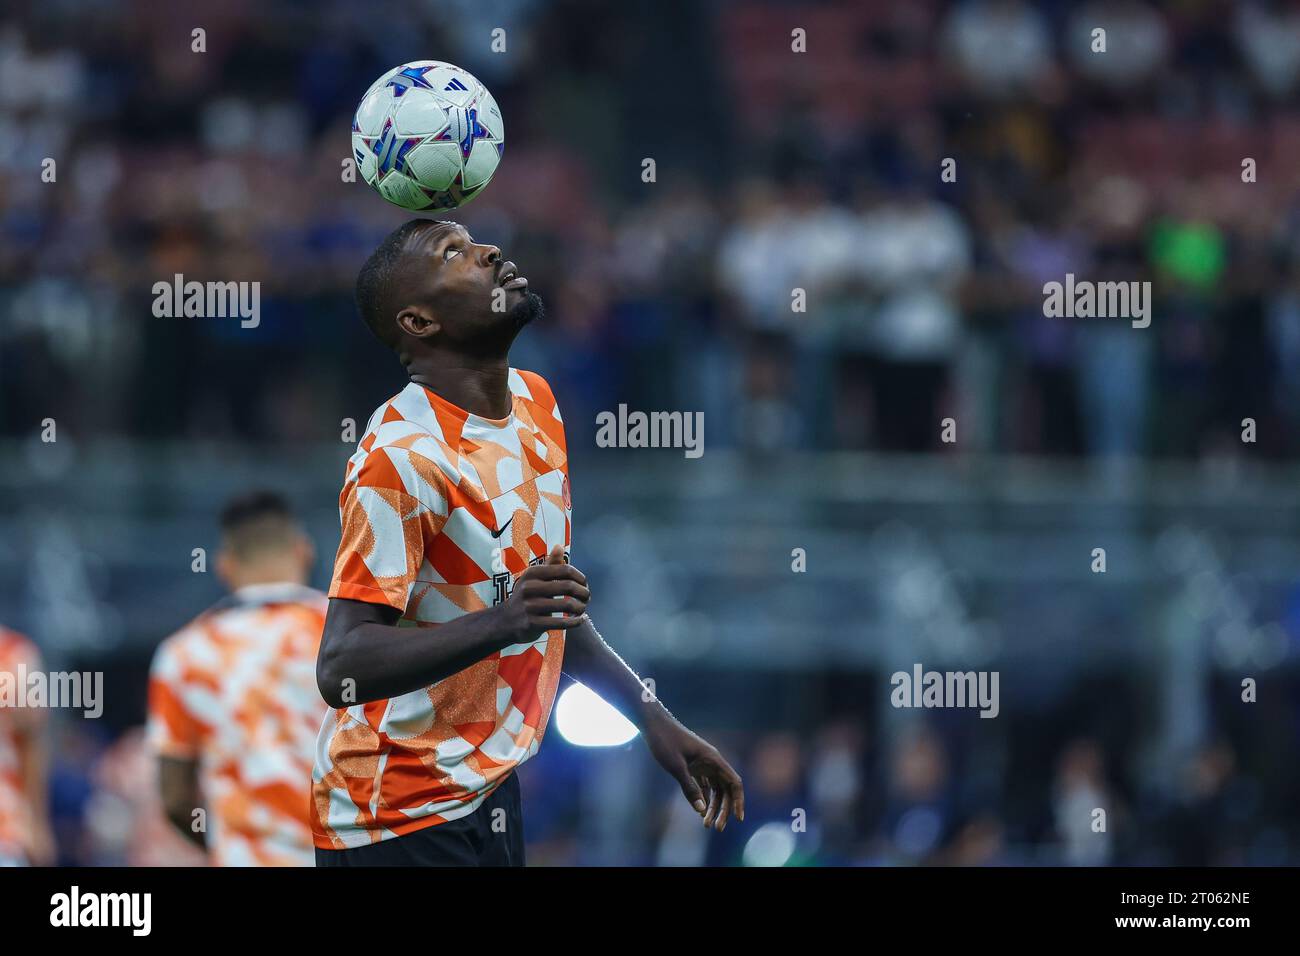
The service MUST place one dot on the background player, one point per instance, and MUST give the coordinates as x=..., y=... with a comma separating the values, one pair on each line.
x=456, y=515
x=25, y=834
x=233, y=704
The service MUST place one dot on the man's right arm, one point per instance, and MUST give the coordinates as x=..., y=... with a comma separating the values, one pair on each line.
x=365, y=656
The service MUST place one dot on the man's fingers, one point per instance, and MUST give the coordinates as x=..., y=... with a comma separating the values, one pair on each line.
x=552, y=572
x=729, y=780
x=724, y=810
x=556, y=556
x=712, y=811
x=550, y=589
x=549, y=605
x=725, y=791
x=532, y=590
x=544, y=622
x=738, y=798
x=690, y=789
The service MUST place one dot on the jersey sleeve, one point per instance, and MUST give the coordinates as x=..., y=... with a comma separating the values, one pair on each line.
x=172, y=730
x=389, y=513
x=546, y=416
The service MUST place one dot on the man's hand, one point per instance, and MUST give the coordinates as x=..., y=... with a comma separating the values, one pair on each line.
x=708, y=782
x=365, y=656
x=539, y=592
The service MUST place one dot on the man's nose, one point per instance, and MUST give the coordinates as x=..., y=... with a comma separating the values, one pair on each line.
x=491, y=254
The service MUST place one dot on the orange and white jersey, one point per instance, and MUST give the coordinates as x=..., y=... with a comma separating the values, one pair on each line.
x=440, y=511
x=236, y=691
x=16, y=653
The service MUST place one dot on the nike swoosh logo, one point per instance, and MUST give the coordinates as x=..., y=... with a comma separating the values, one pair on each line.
x=501, y=530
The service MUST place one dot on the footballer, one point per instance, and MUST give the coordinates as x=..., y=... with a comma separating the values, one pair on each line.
x=233, y=707
x=453, y=606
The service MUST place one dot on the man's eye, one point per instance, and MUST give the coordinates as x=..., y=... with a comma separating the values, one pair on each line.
x=446, y=256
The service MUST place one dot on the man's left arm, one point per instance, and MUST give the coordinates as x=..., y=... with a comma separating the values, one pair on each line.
x=708, y=782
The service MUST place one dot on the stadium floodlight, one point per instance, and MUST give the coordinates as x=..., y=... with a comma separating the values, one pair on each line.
x=586, y=720
x=772, y=844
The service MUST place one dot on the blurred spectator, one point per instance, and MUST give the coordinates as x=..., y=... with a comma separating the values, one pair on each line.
x=1003, y=46
x=1080, y=792
x=919, y=809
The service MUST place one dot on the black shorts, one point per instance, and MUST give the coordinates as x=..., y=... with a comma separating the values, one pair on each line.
x=483, y=838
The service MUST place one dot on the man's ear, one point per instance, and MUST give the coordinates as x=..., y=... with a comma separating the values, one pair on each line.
x=418, y=322
x=306, y=553
x=227, y=569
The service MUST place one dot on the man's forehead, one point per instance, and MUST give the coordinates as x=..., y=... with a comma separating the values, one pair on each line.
x=437, y=232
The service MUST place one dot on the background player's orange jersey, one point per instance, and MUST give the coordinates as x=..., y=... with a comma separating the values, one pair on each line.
x=236, y=691
x=440, y=510
x=15, y=814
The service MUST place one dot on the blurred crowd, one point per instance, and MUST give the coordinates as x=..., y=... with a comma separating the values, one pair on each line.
x=775, y=170
x=833, y=794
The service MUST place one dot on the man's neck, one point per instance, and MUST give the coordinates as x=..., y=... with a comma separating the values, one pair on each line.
x=480, y=386
x=267, y=577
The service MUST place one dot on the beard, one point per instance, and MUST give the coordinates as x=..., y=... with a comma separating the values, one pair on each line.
x=494, y=337
x=526, y=310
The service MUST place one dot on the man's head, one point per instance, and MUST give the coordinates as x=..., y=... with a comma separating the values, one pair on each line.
x=430, y=287
x=262, y=543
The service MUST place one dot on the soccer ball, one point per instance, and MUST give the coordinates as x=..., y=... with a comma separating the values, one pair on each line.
x=428, y=135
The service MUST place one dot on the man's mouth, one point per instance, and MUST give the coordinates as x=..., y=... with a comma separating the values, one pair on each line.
x=510, y=278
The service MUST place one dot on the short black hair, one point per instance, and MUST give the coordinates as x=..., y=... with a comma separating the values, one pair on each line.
x=378, y=281
x=253, y=505
x=256, y=522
